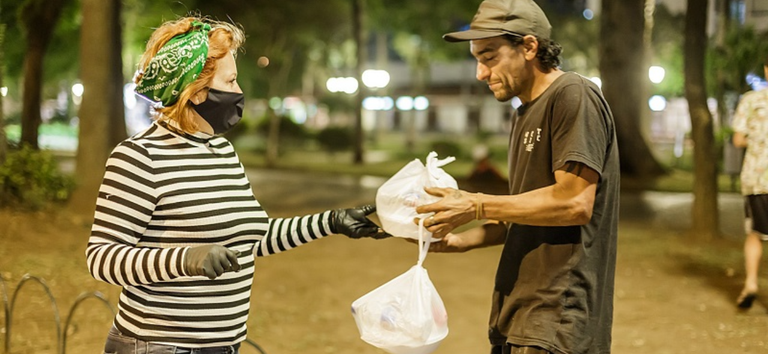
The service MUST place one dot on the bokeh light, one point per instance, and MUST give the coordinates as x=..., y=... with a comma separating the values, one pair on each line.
x=657, y=103
x=262, y=62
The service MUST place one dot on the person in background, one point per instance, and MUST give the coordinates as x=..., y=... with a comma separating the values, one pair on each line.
x=554, y=284
x=750, y=126
x=176, y=223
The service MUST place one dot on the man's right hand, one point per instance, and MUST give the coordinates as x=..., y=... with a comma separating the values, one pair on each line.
x=210, y=261
x=451, y=243
x=490, y=234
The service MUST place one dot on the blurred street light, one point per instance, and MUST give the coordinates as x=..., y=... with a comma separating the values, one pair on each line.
x=656, y=74
x=4, y=91
x=77, y=89
x=420, y=103
x=374, y=103
x=375, y=79
x=404, y=103
x=342, y=84
x=657, y=103
x=77, y=92
x=588, y=14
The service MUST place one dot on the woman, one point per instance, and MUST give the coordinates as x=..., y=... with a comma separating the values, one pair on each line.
x=176, y=223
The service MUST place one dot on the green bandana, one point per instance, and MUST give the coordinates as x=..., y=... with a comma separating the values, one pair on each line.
x=176, y=65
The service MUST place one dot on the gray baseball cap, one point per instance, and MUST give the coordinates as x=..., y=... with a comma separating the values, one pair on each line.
x=500, y=17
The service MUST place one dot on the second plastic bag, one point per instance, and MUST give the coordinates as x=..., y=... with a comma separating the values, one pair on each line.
x=397, y=199
x=405, y=315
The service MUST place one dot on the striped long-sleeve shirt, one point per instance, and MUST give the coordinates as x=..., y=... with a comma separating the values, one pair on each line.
x=165, y=192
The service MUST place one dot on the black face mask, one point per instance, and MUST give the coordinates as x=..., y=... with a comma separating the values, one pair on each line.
x=222, y=110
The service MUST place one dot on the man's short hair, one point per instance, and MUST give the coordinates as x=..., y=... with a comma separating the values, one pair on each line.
x=548, y=53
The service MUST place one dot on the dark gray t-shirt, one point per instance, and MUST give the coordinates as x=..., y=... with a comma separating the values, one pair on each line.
x=554, y=285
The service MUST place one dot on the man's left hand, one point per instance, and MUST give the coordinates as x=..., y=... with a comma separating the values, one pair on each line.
x=455, y=209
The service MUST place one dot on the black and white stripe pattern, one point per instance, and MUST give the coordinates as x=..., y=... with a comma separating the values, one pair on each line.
x=162, y=193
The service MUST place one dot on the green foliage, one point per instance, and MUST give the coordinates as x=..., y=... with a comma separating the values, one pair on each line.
x=289, y=130
x=482, y=135
x=61, y=61
x=283, y=31
x=338, y=102
x=445, y=148
x=426, y=21
x=667, y=43
x=31, y=178
x=578, y=37
x=335, y=139
x=744, y=52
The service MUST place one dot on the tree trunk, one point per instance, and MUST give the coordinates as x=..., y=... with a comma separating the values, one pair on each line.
x=39, y=19
x=277, y=82
x=419, y=65
x=33, y=77
x=705, y=214
x=273, y=137
x=276, y=89
x=101, y=112
x=3, y=137
x=117, y=129
x=358, y=29
x=622, y=72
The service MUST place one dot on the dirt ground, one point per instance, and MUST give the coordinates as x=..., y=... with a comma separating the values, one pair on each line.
x=673, y=294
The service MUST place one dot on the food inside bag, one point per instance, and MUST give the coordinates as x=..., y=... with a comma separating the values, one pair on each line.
x=405, y=315
x=397, y=199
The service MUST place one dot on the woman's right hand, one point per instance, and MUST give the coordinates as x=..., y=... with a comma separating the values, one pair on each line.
x=210, y=261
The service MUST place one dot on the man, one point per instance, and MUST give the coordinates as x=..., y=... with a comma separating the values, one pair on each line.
x=554, y=284
x=750, y=126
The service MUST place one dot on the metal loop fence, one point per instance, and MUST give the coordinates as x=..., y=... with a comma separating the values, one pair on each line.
x=61, y=335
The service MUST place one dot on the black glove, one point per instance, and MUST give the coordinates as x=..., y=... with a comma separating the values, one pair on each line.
x=353, y=223
x=210, y=261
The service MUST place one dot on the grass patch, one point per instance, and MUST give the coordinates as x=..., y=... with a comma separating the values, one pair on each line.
x=13, y=131
x=677, y=180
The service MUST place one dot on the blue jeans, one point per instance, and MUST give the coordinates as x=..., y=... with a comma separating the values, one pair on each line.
x=117, y=343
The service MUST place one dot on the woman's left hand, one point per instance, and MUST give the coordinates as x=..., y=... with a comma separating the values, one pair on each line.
x=354, y=223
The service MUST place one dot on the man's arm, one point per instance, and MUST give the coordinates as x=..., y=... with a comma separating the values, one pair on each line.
x=739, y=140
x=489, y=234
x=740, y=124
x=567, y=202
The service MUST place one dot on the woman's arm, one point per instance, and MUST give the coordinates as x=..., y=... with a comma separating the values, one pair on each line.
x=287, y=233
x=123, y=209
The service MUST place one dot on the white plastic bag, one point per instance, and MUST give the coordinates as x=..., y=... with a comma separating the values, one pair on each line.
x=397, y=199
x=405, y=315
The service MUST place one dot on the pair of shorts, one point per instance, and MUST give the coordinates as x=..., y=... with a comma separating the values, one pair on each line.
x=756, y=213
